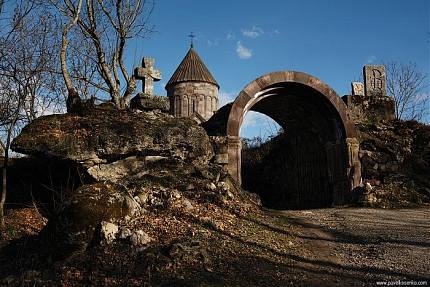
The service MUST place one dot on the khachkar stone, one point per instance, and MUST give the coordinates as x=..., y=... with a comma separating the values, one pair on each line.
x=357, y=89
x=374, y=80
x=146, y=100
x=374, y=105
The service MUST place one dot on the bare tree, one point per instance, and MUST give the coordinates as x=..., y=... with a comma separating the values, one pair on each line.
x=105, y=27
x=9, y=124
x=27, y=43
x=406, y=84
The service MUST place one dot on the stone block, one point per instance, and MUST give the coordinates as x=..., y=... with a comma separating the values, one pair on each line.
x=369, y=108
x=108, y=232
x=221, y=158
x=146, y=102
x=374, y=80
x=357, y=89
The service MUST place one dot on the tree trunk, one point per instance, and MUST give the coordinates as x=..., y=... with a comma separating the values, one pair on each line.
x=73, y=98
x=3, y=189
x=5, y=165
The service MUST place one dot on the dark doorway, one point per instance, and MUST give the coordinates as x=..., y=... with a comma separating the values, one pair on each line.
x=305, y=166
x=288, y=173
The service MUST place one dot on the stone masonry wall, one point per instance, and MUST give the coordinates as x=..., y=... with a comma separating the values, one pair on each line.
x=188, y=98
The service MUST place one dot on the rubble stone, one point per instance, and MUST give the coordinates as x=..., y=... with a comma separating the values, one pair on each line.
x=140, y=238
x=108, y=231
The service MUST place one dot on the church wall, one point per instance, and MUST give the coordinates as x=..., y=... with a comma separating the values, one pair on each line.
x=200, y=96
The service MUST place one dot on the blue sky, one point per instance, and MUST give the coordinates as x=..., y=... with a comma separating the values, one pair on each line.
x=241, y=40
x=329, y=39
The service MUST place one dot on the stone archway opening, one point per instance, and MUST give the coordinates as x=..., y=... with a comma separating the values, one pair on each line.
x=258, y=128
x=314, y=163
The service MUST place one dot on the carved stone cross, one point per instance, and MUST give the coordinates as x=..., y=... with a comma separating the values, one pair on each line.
x=374, y=80
x=148, y=74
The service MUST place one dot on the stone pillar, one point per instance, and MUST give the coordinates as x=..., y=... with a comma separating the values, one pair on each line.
x=214, y=107
x=206, y=112
x=191, y=104
x=181, y=106
x=176, y=107
x=354, y=164
x=184, y=108
x=172, y=106
x=234, y=151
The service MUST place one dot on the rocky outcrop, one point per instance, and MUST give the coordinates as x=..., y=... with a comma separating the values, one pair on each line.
x=133, y=166
x=105, y=136
x=145, y=102
x=395, y=158
x=370, y=108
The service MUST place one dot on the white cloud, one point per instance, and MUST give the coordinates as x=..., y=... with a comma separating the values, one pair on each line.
x=254, y=32
x=256, y=119
x=226, y=97
x=230, y=36
x=242, y=51
x=274, y=33
x=251, y=119
x=257, y=124
x=212, y=43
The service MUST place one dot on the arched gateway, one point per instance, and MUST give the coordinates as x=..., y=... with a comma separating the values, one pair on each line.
x=322, y=138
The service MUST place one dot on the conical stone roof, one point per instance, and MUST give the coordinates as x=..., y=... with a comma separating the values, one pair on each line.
x=193, y=69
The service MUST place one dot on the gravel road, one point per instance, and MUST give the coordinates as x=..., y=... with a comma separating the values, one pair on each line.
x=361, y=247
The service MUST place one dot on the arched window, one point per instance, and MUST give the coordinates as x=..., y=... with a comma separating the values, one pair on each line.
x=194, y=106
x=176, y=106
x=185, y=105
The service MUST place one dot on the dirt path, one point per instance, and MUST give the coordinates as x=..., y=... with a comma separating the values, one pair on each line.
x=360, y=247
x=324, y=247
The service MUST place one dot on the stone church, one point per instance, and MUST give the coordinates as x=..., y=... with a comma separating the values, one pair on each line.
x=323, y=142
x=192, y=90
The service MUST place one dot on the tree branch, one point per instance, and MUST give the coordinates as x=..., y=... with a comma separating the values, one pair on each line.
x=63, y=53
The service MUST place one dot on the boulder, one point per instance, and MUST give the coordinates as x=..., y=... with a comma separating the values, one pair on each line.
x=145, y=102
x=130, y=166
x=104, y=136
x=86, y=208
x=117, y=170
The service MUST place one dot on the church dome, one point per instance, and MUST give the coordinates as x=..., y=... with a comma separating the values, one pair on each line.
x=192, y=69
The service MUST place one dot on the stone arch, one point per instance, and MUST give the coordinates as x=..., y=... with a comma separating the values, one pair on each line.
x=289, y=88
